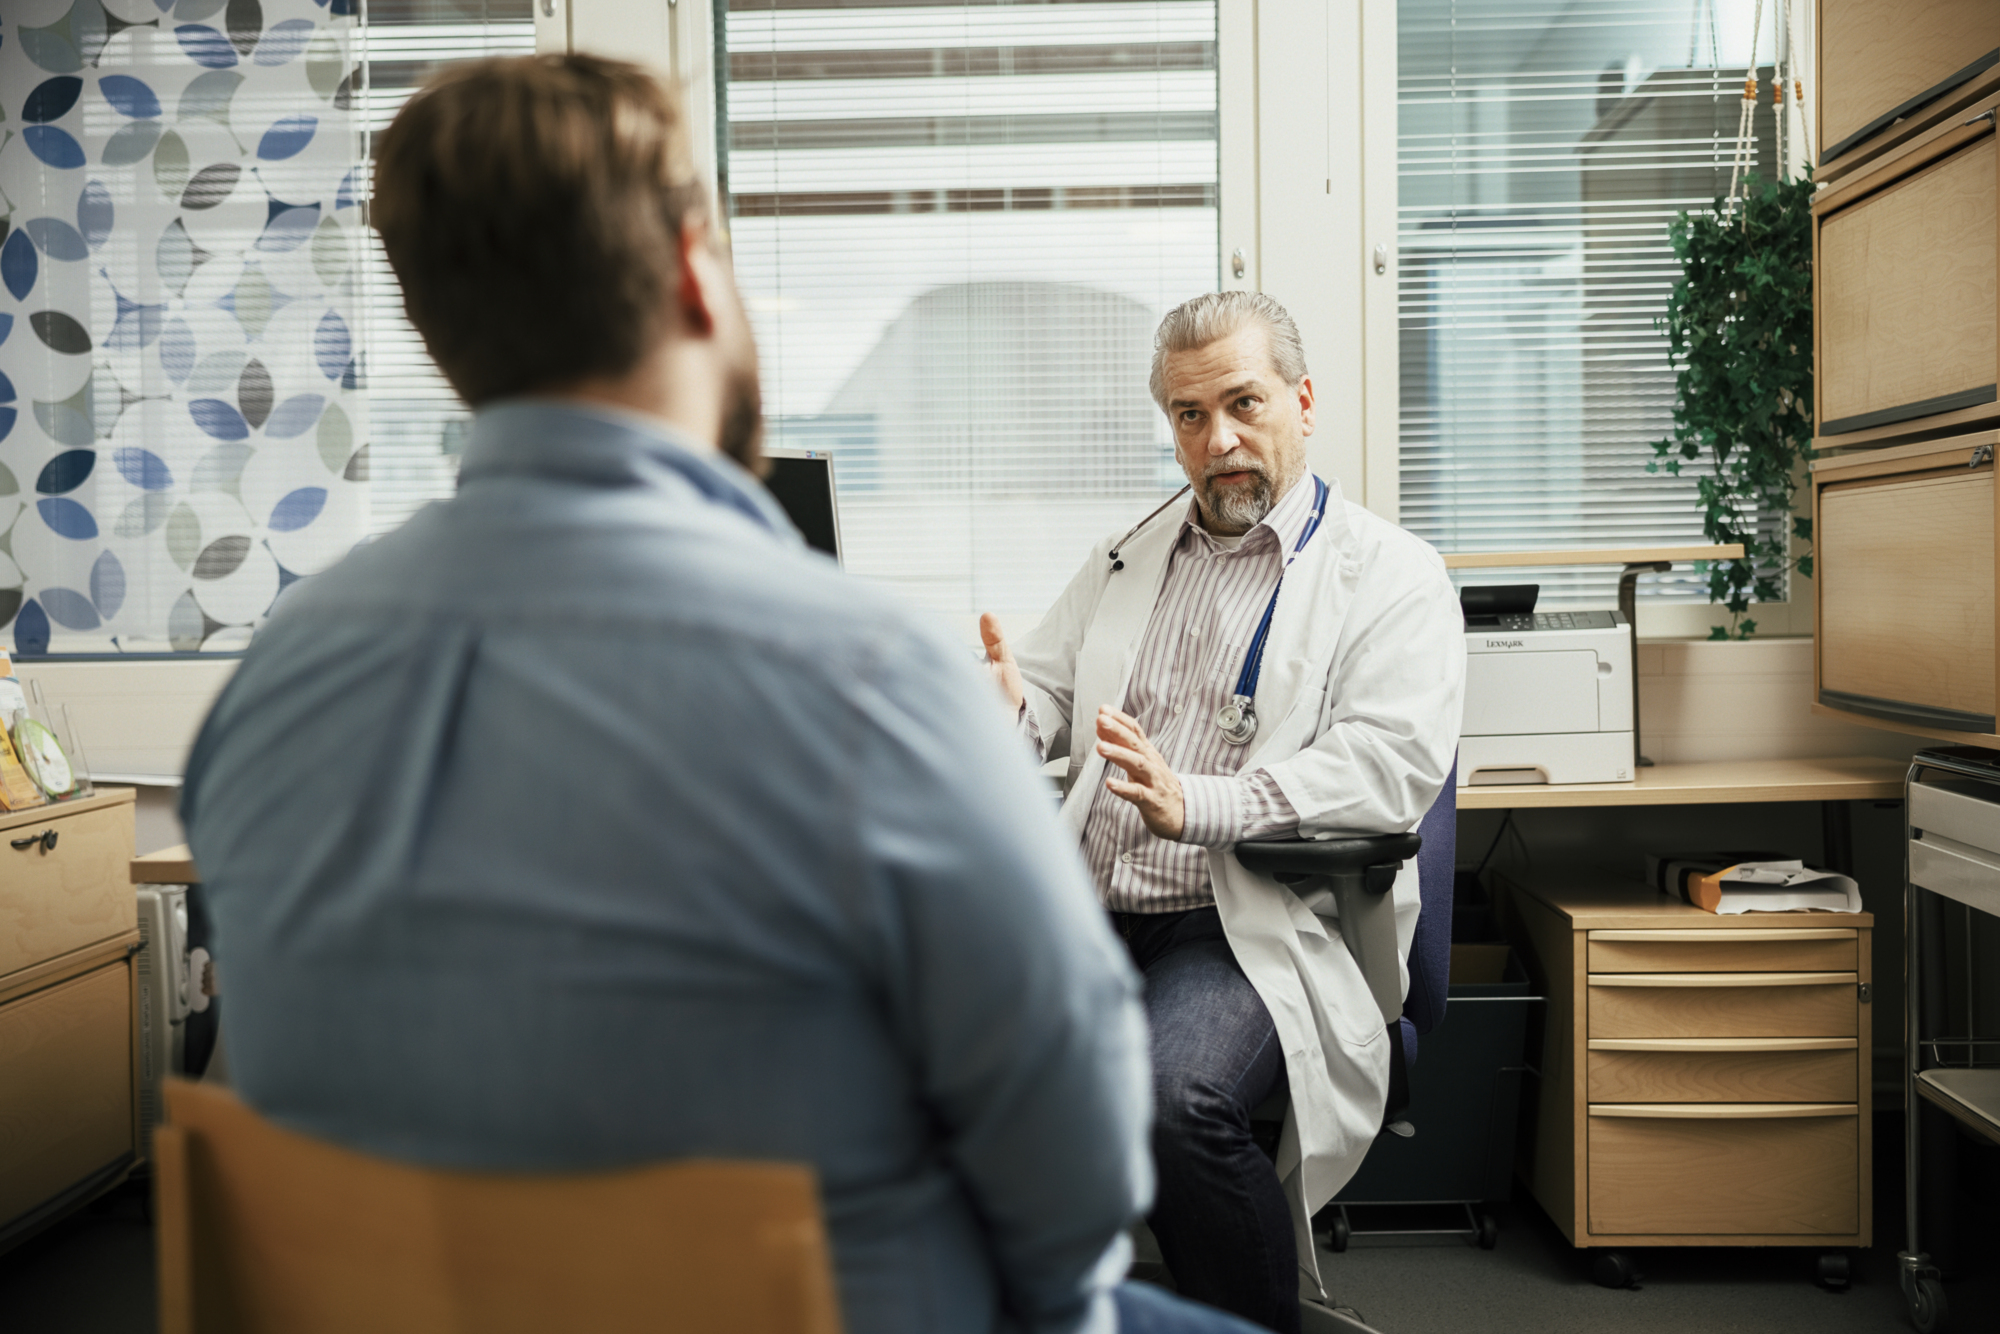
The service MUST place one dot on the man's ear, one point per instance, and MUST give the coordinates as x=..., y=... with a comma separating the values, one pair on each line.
x=701, y=279
x=1306, y=403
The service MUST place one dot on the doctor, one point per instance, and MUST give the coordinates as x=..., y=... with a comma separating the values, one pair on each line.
x=1270, y=661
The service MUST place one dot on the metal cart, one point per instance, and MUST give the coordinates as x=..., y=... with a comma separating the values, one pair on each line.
x=1953, y=853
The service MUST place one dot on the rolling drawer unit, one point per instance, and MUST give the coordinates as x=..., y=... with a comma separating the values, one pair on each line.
x=1704, y=1078
x=68, y=927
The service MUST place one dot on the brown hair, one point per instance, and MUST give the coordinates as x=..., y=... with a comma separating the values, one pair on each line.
x=531, y=209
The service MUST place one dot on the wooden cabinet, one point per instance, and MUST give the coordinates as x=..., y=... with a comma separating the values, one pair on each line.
x=1704, y=1078
x=68, y=1050
x=1905, y=577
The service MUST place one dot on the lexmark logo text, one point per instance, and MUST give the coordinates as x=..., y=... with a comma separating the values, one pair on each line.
x=1506, y=643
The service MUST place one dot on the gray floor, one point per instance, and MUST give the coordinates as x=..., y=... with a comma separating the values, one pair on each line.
x=92, y=1274
x=1533, y=1282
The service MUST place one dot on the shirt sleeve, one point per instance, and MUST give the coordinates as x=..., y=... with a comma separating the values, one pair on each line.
x=1029, y=727
x=1014, y=1000
x=1219, y=812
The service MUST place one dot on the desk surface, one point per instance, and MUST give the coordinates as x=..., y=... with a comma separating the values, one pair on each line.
x=168, y=866
x=1842, y=778
x=1594, y=901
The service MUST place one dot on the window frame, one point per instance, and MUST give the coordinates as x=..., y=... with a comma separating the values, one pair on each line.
x=1289, y=176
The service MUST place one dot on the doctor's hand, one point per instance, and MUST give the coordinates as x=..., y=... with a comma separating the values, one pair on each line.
x=1148, y=783
x=1000, y=660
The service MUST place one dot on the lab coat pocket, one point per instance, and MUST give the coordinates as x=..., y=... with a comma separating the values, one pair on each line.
x=1354, y=1015
x=1335, y=982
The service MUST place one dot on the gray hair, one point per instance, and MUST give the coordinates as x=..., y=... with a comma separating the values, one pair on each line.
x=1216, y=315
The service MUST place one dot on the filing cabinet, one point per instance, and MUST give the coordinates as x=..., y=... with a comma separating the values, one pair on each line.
x=68, y=1051
x=1704, y=1079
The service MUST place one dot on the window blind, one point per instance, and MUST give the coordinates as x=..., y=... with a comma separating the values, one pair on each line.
x=1543, y=151
x=417, y=425
x=956, y=227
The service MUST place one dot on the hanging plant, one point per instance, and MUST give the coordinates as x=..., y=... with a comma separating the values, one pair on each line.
x=1739, y=332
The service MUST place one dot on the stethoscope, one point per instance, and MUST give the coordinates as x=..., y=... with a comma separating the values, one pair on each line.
x=1237, y=720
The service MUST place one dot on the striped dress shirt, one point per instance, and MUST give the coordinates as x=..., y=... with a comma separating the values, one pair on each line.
x=1192, y=653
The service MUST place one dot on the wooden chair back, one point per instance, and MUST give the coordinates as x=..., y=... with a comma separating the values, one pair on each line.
x=264, y=1231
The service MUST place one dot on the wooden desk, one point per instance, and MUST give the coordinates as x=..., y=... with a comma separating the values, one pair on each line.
x=1845, y=778
x=1704, y=1079
x=168, y=866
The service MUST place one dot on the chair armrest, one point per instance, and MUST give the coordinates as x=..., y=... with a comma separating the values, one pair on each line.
x=1290, y=860
x=1353, y=875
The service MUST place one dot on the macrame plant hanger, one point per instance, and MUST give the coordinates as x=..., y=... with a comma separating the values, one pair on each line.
x=1788, y=100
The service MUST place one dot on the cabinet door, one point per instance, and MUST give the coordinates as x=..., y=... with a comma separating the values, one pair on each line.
x=65, y=1086
x=1906, y=289
x=62, y=898
x=1905, y=568
x=1879, y=61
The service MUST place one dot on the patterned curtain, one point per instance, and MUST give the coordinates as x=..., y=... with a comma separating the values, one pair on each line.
x=182, y=426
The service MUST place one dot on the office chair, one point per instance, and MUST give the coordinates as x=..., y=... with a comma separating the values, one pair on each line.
x=1356, y=875
x=264, y=1231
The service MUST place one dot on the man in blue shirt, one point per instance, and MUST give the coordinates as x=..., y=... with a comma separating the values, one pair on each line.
x=589, y=819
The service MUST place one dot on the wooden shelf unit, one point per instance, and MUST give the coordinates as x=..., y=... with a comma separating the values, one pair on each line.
x=69, y=1048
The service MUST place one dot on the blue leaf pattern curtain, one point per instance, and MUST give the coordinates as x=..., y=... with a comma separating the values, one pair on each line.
x=182, y=427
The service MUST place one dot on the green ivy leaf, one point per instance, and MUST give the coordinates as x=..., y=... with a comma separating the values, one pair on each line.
x=1739, y=332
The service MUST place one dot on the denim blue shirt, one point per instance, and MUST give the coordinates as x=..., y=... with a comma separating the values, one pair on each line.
x=591, y=819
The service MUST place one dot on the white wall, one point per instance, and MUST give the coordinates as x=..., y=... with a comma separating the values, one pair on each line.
x=1745, y=700
x=136, y=719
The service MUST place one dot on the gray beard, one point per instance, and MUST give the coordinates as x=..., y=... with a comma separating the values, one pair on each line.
x=1239, y=509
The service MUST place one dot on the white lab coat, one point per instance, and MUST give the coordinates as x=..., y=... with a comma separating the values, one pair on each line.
x=1358, y=705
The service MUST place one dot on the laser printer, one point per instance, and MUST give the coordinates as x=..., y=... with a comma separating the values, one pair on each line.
x=1548, y=694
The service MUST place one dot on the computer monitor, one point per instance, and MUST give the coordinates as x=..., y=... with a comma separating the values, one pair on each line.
x=801, y=480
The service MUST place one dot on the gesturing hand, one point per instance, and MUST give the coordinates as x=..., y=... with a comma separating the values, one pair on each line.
x=1000, y=660
x=1148, y=783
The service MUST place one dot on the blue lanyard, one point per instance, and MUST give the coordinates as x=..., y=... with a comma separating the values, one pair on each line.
x=1253, y=661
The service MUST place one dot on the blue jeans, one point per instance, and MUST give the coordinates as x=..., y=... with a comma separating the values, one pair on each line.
x=1220, y=1216
x=1144, y=1309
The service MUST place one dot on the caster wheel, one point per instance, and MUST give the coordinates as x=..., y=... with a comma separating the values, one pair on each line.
x=1489, y=1232
x=1832, y=1272
x=1927, y=1307
x=1613, y=1269
x=1339, y=1234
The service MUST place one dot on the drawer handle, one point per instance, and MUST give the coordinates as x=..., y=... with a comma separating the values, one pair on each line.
x=1723, y=1111
x=47, y=840
x=1724, y=1044
x=1734, y=935
x=1720, y=979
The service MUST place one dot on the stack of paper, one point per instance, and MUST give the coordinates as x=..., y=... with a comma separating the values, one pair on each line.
x=1719, y=883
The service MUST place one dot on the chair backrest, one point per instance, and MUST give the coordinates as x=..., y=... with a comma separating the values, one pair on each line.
x=265, y=1231
x=1430, y=952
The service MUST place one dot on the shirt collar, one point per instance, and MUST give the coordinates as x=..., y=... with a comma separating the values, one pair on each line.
x=606, y=446
x=1281, y=526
